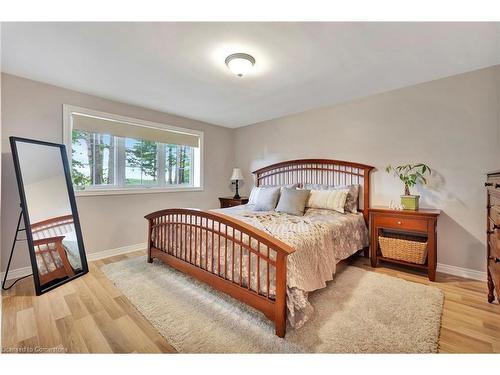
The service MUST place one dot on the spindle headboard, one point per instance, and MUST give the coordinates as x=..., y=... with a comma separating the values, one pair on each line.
x=319, y=171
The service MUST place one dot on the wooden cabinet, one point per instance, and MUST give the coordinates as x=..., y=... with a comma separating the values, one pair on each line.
x=226, y=202
x=493, y=234
x=422, y=223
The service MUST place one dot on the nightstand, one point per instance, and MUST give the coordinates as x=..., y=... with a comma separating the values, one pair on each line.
x=420, y=224
x=231, y=202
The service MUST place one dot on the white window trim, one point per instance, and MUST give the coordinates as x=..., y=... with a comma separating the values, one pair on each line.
x=68, y=110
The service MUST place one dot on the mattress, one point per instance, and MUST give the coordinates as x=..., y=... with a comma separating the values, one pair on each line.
x=70, y=244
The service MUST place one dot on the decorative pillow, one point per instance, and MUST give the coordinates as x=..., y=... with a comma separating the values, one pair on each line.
x=252, y=199
x=289, y=186
x=267, y=198
x=317, y=187
x=255, y=191
x=351, y=204
x=328, y=199
x=292, y=201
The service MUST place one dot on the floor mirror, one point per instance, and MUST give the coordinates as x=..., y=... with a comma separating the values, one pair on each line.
x=50, y=214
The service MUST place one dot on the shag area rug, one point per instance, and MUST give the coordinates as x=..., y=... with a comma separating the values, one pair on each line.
x=358, y=312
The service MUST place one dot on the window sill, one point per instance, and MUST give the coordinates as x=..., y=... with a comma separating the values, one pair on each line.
x=132, y=191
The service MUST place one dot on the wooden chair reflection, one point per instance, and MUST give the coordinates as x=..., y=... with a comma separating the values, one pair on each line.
x=51, y=256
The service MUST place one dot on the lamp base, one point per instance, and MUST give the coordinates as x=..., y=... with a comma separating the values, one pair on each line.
x=236, y=195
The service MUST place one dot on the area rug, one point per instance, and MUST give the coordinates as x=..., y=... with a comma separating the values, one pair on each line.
x=358, y=312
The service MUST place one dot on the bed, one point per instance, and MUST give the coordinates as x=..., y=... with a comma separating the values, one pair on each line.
x=56, y=248
x=267, y=260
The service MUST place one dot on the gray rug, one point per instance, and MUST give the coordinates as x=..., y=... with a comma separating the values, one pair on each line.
x=358, y=312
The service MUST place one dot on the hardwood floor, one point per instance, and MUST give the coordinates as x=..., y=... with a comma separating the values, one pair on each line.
x=87, y=315
x=91, y=315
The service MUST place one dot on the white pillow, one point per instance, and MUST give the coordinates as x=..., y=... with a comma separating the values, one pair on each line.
x=267, y=198
x=252, y=199
x=328, y=199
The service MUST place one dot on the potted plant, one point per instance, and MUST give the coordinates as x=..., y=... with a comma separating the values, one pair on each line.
x=410, y=174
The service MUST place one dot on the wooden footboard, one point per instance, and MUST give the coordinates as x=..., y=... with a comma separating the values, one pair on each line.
x=48, y=249
x=228, y=254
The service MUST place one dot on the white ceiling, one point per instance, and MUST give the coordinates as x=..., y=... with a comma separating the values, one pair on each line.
x=179, y=67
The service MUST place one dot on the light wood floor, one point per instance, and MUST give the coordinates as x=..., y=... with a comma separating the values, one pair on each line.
x=91, y=315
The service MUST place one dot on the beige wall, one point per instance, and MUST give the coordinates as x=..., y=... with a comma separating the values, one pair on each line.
x=34, y=110
x=451, y=124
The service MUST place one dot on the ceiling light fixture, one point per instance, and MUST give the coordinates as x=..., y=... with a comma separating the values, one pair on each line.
x=240, y=63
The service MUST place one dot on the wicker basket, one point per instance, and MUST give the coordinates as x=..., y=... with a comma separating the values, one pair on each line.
x=411, y=249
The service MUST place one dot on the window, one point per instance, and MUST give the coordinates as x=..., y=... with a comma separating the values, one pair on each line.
x=110, y=153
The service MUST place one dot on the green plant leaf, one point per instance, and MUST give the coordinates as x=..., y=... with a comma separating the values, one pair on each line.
x=410, y=174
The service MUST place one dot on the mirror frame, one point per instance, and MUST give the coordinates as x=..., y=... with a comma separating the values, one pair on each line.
x=27, y=224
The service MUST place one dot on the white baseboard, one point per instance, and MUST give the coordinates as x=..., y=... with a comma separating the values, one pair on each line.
x=20, y=272
x=462, y=272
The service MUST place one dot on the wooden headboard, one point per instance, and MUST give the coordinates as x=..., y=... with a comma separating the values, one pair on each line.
x=56, y=226
x=319, y=171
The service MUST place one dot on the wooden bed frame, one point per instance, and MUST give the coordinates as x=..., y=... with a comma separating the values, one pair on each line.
x=171, y=232
x=47, y=239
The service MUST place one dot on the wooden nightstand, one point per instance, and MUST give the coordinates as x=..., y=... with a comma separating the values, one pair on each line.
x=231, y=202
x=422, y=223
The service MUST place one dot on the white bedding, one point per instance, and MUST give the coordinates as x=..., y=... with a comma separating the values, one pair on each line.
x=70, y=244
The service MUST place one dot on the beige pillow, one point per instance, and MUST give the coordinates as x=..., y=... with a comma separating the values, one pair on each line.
x=328, y=199
x=351, y=203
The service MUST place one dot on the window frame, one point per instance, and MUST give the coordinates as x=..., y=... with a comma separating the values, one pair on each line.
x=68, y=110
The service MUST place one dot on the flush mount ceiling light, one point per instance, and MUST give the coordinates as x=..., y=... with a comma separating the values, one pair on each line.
x=240, y=63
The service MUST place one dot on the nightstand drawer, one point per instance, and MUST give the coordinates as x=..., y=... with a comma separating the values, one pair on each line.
x=403, y=223
x=226, y=202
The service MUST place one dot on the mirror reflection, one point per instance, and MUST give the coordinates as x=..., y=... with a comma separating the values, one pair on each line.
x=57, y=251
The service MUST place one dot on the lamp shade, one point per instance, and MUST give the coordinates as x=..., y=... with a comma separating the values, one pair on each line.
x=237, y=175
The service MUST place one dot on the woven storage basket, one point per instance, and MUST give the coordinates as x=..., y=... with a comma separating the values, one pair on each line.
x=411, y=249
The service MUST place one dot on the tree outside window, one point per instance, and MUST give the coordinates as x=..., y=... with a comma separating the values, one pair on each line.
x=100, y=160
